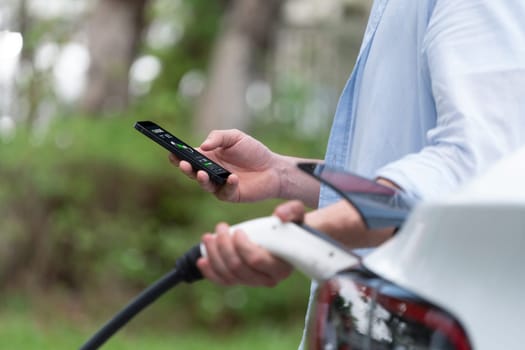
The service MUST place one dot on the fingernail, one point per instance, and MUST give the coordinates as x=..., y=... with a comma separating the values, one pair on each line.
x=208, y=237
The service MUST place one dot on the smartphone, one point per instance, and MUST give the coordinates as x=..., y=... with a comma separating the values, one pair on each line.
x=182, y=150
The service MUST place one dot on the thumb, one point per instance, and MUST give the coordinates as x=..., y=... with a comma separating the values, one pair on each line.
x=221, y=139
x=290, y=211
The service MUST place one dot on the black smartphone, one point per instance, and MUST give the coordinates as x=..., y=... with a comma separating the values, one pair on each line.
x=184, y=151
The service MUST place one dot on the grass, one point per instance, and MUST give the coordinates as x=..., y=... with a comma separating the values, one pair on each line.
x=24, y=331
x=58, y=321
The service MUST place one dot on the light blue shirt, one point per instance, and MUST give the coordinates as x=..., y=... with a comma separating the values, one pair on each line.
x=436, y=96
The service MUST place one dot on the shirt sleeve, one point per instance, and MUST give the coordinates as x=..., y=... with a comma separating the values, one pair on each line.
x=475, y=55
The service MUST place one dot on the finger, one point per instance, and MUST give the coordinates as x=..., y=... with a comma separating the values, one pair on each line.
x=221, y=138
x=230, y=190
x=204, y=181
x=218, y=270
x=290, y=211
x=187, y=169
x=207, y=271
x=243, y=272
x=174, y=159
x=269, y=269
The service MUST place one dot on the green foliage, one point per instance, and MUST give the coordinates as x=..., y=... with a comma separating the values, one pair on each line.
x=22, y=331
x=200, y=20
x=91, y=207
x=91, y=204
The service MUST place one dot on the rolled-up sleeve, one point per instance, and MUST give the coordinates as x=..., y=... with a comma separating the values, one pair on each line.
x=475, y=55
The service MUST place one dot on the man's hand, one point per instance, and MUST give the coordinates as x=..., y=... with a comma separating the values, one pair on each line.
x=233, y=259
x=257, y=172
x=251, y=163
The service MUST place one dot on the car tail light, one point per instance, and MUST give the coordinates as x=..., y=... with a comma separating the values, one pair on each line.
x=356, y=313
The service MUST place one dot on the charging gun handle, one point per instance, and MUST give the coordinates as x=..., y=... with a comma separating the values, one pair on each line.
x=315, y=254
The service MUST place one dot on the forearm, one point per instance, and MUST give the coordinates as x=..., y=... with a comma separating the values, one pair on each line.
x=343, y=223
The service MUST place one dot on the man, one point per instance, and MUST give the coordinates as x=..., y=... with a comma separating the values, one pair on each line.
x=435, y=97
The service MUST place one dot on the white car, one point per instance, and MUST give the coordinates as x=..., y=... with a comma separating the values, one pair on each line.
x=451, y=278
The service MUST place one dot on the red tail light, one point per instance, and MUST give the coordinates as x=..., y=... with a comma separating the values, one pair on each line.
x=428, y=317
x=357, y=313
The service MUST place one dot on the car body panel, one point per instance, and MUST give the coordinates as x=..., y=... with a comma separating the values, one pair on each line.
x=466, y=254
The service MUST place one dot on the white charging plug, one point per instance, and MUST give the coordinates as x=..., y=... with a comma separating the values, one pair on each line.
x=313, y=253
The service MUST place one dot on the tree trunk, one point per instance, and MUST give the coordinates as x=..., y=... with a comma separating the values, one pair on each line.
x=114, y=35
x=248, y=32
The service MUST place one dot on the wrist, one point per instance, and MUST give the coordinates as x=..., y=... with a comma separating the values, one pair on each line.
x=294, y=183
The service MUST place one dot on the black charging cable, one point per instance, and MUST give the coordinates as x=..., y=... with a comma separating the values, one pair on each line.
x=185, y=271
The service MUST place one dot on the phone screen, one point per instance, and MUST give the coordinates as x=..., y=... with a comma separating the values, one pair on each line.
x=182, y=150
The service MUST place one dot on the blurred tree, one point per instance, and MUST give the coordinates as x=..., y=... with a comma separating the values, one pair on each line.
x=32, y=89
x=193, y=25
x=113, y=38
x=51, y=34
x=247, y=33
